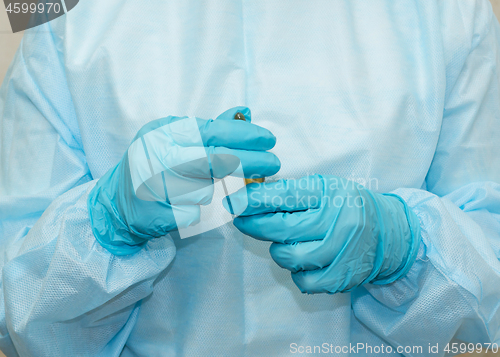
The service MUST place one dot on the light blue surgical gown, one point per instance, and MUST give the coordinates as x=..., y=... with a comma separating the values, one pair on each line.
x=401, y=96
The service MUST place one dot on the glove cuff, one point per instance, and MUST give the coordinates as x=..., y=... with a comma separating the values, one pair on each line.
x=415, y=238
x=107, y=226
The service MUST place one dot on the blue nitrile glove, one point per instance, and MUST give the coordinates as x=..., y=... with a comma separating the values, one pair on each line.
x=168, y=171
x=331, y=233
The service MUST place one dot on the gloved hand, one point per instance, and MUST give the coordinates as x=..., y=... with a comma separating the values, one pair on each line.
x=168, y=171
x=331, y=233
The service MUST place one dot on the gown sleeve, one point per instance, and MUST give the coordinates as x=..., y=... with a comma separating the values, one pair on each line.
x=452, y=291
x=62, y=294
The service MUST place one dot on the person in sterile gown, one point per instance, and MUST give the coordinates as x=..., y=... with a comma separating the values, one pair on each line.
x=396, y=102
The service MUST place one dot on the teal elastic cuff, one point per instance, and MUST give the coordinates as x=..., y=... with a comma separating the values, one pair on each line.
x=120, y=250
x=108, y=236
x=414, y=225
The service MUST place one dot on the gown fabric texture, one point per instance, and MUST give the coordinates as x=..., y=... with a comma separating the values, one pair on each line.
x=401, y=96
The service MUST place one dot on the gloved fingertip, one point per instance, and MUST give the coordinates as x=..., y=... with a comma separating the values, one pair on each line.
x=237, y=202
x=274, y=139
x=244, y=225
x=276, y=164
x=268, y=165
x=226, y=203
x=270, y=140
x=239, y=224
